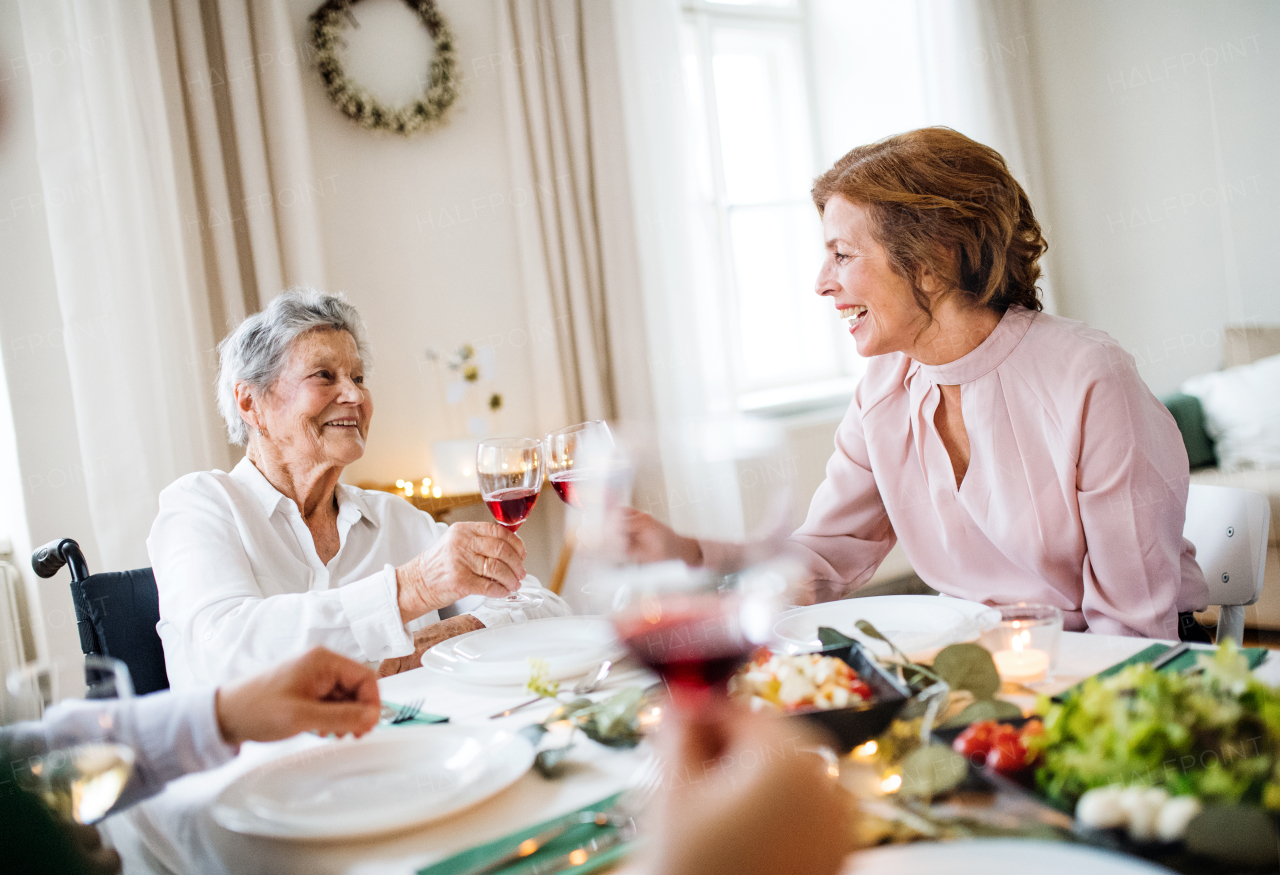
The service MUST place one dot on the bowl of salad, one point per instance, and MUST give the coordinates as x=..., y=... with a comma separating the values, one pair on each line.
x=841, y=689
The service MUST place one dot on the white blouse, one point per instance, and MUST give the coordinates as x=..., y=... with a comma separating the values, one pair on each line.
x=242, y=587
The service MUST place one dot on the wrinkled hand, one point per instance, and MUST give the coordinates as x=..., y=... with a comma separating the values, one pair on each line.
x=647, y=540
x=745, y=794
x=319, y=691
x=425, y=639
x=471, y=559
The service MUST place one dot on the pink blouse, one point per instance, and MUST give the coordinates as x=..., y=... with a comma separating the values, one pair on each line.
x=1075, y=494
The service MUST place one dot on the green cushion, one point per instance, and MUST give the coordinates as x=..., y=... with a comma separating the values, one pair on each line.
x=1189, y=415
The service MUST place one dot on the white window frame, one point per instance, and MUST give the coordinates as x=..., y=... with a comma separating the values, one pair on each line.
x=802, y=397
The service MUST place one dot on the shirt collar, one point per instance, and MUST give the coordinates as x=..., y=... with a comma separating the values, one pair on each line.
x=351, y=504
x=987, y=356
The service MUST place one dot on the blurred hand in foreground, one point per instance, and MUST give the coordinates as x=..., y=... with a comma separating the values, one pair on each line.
x=647, y=540
x=319, y=691
x=745, y=794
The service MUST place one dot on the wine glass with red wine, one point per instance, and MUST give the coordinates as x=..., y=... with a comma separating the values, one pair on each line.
x=510, y=475
x=577, y=456
x=693, y=627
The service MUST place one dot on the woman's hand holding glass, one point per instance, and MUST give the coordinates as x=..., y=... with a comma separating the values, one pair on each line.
x=471, y=559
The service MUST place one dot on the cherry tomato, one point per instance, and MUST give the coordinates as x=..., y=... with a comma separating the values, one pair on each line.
x=860, y=687
x=1008, y=757
x=974, y=743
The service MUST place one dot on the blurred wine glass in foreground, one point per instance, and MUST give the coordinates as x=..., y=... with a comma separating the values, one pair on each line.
x=726, y=483
x=81, y=770
x=510, y=475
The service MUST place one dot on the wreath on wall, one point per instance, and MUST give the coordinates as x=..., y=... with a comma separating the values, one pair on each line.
x=356, y=101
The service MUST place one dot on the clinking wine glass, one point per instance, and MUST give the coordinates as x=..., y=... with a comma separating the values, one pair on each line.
x=578, y=456
x=81, y=770
x=510, y=475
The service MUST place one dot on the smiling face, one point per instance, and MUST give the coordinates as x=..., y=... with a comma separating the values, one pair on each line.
x=874, y=301
x=318, y=410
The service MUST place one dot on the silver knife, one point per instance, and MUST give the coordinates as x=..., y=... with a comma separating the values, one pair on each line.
x=1169, y=656
x=579, y=855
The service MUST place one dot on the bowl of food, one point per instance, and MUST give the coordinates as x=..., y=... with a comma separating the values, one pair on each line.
x=841, y=689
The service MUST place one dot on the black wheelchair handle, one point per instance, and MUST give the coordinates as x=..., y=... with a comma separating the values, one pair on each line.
x=49, y=559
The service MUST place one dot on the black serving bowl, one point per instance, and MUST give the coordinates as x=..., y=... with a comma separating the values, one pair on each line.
x=860, y=723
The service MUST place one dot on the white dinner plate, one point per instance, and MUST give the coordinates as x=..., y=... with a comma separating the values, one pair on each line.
x=384, y=782
x=571, y=647
x=912, y=622
x=984, y=856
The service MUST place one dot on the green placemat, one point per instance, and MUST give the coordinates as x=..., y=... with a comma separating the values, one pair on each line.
x=574, y=837
x=1255, y=655
x=423, y=718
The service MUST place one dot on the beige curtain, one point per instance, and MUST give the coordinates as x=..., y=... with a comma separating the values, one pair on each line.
x=550, y=115
x=173, y=158
x=237, y=112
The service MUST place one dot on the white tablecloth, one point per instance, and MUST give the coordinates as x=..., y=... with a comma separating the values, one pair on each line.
x=175, y=832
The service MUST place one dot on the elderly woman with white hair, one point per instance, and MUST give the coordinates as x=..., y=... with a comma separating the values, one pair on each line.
x=278, y=556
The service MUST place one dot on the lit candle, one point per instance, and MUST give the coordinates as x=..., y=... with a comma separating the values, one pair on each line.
x=1021, y=660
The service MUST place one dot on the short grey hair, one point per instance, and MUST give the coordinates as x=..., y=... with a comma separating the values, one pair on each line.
x=257, y=351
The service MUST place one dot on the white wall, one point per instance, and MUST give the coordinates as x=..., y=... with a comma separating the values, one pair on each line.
x=420, y=234
x=1160, y=130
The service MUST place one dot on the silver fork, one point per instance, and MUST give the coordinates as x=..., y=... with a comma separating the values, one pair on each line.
x=587, y=684
x=641, y=788
x=407, y=712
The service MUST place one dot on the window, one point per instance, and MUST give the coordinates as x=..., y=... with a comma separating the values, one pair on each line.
x=751, y=104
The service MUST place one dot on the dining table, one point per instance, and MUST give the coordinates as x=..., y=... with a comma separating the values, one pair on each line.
x=176, y=832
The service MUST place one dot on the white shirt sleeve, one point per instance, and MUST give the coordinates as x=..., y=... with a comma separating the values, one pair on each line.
x=172, y=734
x=227, y=628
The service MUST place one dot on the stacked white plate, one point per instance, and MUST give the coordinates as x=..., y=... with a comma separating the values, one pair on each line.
x=912, y=622
x=381, y=783
x=570, y=646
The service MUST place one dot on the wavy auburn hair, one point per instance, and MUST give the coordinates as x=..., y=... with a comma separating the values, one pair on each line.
x=942, y=202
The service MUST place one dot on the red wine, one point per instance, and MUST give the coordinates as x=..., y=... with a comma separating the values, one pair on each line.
x=565, y=487
x=510, y=507
x=693, y=642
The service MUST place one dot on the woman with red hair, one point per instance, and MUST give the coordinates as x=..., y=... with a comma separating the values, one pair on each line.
x=1017, y=456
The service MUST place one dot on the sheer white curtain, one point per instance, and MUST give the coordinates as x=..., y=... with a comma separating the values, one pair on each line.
x=679, y=266
x=165, y=224
x=978, y=71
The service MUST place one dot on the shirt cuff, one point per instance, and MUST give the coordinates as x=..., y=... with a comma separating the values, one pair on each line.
x=374, y=616
x=179, y=733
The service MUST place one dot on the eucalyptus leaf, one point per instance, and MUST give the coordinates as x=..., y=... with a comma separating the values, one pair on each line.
x=870, y=631
x=550, y=762
x=932, y=770
x=1236, y=834
x=833, y=638
x=983, y=709
x=968, y=667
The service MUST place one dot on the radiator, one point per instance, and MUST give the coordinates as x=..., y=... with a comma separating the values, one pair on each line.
x=12, y=650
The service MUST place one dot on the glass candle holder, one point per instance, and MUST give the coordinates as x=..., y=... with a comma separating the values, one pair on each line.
x=1025, y=644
